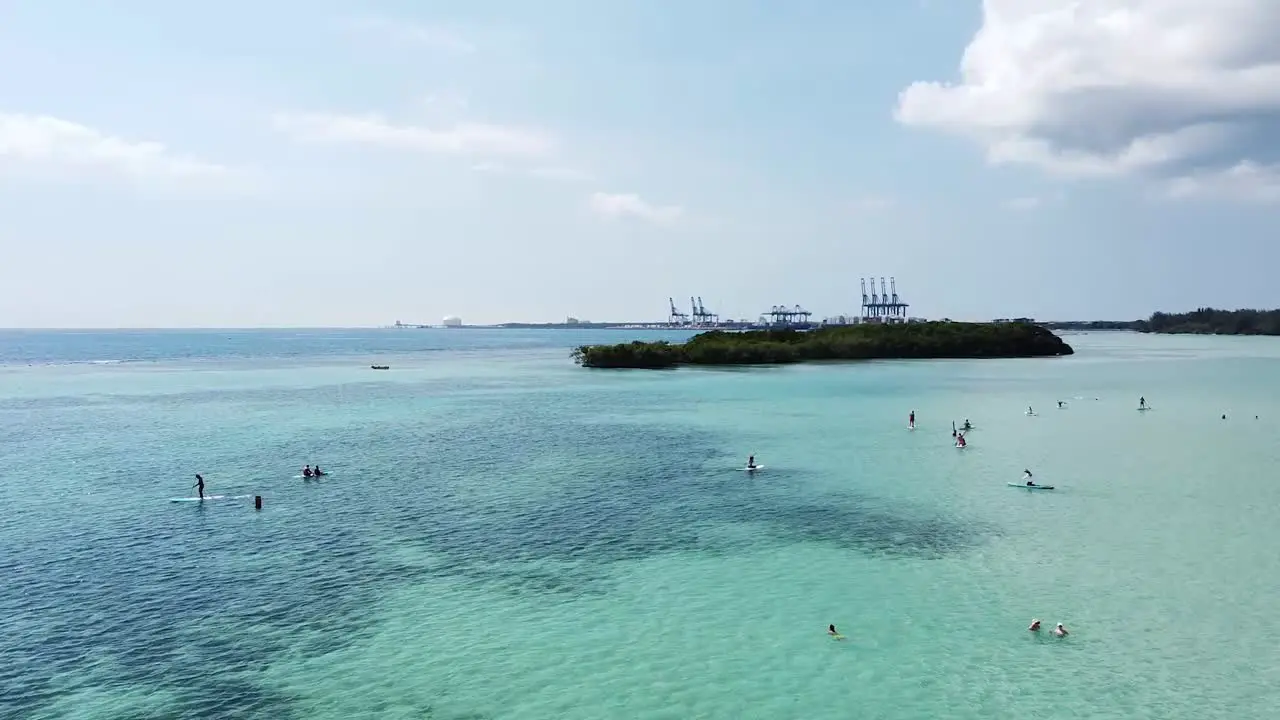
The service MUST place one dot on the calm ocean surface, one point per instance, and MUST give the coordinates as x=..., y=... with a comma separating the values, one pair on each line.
x=506, y=535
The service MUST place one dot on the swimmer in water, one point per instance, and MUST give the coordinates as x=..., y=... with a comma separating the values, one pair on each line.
x=1060, y=631
x=831, y=630
x=1035, y=625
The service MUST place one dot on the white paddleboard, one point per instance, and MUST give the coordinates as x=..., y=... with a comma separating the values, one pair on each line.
x=753, y=469
x=210, y=497
x=1144, y=409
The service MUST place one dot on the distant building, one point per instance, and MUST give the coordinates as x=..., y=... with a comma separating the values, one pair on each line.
x=453, y=321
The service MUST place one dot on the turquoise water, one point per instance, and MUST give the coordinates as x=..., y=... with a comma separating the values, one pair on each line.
x=505, y=535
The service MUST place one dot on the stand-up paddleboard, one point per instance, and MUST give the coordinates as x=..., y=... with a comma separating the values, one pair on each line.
x=1031, y=414
x=210, y=497
x=1144, y=409
x=753, y=468
x=1025, y=486
x=313, y=477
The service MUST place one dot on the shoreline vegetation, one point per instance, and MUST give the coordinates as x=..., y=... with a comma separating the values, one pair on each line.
x=907, y=341
x=1211, y=321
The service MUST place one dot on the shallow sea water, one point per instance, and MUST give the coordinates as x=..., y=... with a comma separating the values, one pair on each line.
x=505, y=535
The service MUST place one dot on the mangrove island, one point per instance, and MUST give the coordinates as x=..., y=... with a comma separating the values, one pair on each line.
x=871, y=341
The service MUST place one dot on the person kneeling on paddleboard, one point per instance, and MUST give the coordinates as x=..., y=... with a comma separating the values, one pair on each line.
x=751, y=462
x=1027, y=475
x=306, y=472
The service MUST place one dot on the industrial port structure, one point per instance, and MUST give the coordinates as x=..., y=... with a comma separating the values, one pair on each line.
x=885, y=306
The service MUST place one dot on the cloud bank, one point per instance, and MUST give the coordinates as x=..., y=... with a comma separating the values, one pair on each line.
x=1182, y=92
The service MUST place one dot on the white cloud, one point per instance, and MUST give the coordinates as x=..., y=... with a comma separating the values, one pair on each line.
x=1024, y=203
x=401, y=31
x=478, y=139
x=48, y=141
x=620, y=205
x=550, y=172
x=1183, y=91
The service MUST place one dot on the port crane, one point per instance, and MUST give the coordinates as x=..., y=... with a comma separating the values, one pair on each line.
x=701, y=316
x=676, y=317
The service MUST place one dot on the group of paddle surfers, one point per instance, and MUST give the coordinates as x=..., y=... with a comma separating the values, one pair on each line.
x=307, y=472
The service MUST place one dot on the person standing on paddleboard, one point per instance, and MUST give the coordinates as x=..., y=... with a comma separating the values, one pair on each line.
x=911, y=420
x=199, y=486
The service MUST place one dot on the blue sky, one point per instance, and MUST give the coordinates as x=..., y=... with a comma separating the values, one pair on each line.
x=324, y=163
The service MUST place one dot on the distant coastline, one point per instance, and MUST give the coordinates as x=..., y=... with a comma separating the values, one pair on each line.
x=1211, y=321
x=1203, y=321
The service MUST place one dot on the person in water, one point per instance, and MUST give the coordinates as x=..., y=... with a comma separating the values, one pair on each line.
x=1035, y=625
x=1060, y=631
x=199, y=486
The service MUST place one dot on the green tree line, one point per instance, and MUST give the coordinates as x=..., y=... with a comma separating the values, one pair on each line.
x=929, y=340
x=1209, y=321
